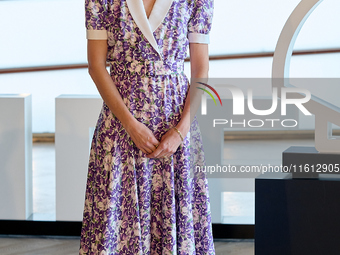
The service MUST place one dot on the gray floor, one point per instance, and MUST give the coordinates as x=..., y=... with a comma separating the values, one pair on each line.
x=38, y=246
x=46, y=246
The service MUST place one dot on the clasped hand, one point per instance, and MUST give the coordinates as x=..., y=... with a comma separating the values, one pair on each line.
x=145, y=140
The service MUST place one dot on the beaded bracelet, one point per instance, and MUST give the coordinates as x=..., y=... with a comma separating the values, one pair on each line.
x=180, y=134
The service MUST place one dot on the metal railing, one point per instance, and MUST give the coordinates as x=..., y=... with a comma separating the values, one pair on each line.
x=211, y=58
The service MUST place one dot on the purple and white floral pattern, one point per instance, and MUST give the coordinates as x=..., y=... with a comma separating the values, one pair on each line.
x=135, y=205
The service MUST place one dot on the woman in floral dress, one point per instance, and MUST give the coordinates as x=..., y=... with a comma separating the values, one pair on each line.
x=140, y=197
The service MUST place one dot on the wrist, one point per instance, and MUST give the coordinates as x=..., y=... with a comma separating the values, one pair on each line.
x=129, y=123
x=179, y=133
x=183, y=127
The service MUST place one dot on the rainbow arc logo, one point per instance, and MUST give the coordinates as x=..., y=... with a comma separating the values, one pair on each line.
x=209, y=93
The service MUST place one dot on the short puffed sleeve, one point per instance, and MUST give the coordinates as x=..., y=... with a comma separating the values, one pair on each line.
x=200, y=21
x=95, y=16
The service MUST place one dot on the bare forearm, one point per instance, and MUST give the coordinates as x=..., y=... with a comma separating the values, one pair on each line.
x=191, y=106
x=199, y=72
x=140, y=134
x=111, y=96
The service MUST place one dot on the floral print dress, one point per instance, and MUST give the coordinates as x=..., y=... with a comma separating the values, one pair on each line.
x=133, y=204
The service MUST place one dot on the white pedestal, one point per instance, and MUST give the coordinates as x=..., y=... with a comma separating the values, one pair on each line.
x=76, y=116
x=16, y=198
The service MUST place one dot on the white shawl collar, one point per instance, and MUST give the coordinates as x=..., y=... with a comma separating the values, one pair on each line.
x=148, y=26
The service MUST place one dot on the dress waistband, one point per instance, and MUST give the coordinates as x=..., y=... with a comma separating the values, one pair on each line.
x=146, y=67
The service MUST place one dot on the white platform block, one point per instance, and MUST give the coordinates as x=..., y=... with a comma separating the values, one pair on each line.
x=76, y=116
x=16, y=197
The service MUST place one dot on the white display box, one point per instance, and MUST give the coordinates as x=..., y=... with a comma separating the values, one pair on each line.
x=76, y=117
x=16, y=196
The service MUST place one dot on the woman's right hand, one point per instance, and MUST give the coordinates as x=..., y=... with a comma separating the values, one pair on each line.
x=143, y=137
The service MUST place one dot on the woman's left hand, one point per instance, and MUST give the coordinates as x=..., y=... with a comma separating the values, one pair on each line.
x=168, y=145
